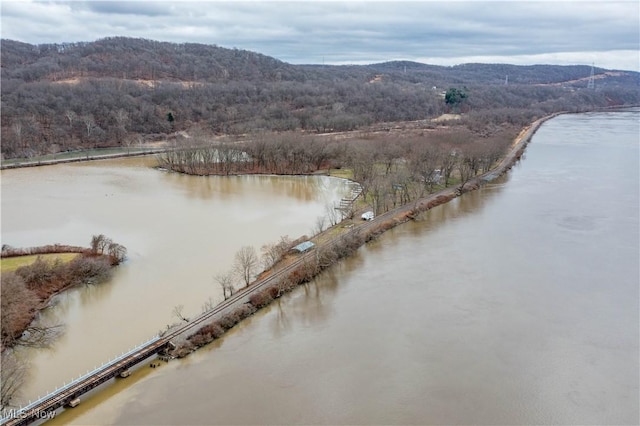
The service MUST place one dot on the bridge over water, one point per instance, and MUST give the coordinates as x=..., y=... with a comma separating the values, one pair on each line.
x=69, y=393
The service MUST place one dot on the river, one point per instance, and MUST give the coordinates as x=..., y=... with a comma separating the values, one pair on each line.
x=513, y=304
x=180, y=231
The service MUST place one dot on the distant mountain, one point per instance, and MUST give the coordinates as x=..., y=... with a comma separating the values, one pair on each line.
x=496, y=74
x=137, y=59
x=141, y=59
x=118, y=91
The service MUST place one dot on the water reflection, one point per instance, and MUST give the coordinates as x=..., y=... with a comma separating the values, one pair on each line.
x=180, y=231
x=312, y=304
x=483, y=313
x=306, y=188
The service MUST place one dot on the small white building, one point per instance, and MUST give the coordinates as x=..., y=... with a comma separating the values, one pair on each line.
x=368, y=215
x=304, y=247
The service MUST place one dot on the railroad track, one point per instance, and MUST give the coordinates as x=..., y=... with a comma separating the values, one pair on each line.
x=70, y=392
x=66, y=394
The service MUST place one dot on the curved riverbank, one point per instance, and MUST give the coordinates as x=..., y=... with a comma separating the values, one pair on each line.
x=173, y=178
x=12, y=164
x=284, y=278
x=528, y=283
x=206, y=220
x=28, y=289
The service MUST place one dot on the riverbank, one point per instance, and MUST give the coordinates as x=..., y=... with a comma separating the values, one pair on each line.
x=29, y=289
x=500, y=270
x=338, y=242
x=76, y=157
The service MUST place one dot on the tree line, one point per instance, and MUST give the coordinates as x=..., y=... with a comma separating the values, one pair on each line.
x=119, y=92
x=28, y=289
x=392, y=169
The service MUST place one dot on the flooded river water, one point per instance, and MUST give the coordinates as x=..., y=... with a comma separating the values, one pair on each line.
x=513, y=304
x=180, y=231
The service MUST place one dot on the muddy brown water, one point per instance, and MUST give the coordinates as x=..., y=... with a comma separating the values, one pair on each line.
x=514, y=304
x=180, y=231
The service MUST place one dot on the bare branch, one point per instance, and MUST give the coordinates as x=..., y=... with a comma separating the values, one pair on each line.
x=39, y=336
x=226, y=282
x=12, y=374
x=177, y=312
x=246, y=262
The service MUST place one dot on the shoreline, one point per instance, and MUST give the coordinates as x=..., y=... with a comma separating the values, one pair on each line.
x=16, y=164
x=285, y=278
x=302, y=273
x=38, y=282
x=78, y=159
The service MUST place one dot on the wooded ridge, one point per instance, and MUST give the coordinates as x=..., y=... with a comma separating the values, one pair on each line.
x=124, y=91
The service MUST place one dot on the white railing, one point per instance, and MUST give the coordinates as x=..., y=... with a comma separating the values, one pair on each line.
x=105, y=366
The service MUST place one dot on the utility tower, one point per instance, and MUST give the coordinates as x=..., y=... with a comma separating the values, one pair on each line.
x=591, y=84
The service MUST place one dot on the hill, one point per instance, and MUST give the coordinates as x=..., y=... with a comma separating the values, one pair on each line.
x=118, y=91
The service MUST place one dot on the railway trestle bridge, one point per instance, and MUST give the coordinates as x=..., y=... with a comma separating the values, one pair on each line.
x=68, y=395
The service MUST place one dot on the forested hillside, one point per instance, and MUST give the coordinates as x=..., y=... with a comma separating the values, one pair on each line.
x=120, y=91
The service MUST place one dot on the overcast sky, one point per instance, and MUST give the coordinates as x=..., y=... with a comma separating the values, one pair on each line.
x=606, y=33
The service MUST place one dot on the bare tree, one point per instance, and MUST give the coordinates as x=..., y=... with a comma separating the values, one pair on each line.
x=17, y=131
x=117, y=252
x=89, y=123
x=226, y=282
x=95, y=243
x=12, y=374
x=448, y=160
x=122, y=118
x=100, y=243
x=208, y=305
x=424, y=165
x=378, y=187
x=177, y=312
x=16, y=302
x=332, y=214
x=326, y=256
x=319, y=225
x=272, y=253
x=246, y=262
x=130, y=141
x=468, y=164
x=39, y=336
x=103, y=245
x=71, y=116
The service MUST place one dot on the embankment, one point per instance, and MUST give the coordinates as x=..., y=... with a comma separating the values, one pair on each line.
x=76, y=159
x=29, y=289
x=330, y=252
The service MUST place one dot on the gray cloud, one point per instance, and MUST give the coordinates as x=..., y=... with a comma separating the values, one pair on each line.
x=354, y=32
x=150, y=9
